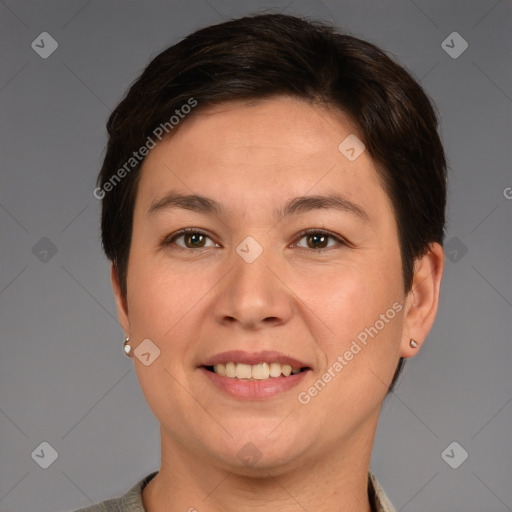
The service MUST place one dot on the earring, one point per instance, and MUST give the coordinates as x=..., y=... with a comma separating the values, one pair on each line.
x=127, y=347
x=413, y=343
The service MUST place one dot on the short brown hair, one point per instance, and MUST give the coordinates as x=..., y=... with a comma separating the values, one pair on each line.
x=260, y=56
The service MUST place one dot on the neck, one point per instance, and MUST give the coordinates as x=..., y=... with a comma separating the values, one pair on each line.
x=335, y=480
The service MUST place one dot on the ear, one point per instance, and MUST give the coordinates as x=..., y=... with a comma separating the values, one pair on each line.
x=121, y=304
x=423, y=299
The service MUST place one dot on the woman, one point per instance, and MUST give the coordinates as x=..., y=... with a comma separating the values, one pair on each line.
x=273, y=206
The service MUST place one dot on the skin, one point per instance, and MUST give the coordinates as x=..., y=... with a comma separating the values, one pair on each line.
x=196, y=302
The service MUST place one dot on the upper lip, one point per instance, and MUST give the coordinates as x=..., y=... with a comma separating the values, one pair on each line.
x=265, y=356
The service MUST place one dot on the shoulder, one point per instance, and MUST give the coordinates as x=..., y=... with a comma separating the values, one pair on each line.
x=129, y=502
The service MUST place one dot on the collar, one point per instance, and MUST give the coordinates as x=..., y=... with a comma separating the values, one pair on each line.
x=378, y=499
x=132, y=500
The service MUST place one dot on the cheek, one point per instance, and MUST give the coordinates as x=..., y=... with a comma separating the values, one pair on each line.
x=160, y=294
x=361, y=348
x=349, y=296
x=163, y=303
x=357, y=309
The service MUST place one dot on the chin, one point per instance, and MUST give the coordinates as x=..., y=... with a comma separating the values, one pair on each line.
x=252, y=452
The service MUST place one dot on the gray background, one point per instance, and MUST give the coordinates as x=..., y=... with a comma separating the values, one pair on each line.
x=63, y=376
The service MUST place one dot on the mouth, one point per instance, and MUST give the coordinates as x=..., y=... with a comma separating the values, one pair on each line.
x=259, y=371
x=263, y=365
x=254, y=376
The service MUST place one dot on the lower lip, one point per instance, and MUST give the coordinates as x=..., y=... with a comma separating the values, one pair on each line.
x=254, y=389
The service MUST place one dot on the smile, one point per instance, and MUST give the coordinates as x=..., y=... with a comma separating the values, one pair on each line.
x=254, y=375
x=260, y=371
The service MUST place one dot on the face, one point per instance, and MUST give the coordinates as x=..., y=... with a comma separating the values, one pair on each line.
x=269, y=277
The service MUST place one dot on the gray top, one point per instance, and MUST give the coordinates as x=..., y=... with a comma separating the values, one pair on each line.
x=129, y=502
x=132, y=500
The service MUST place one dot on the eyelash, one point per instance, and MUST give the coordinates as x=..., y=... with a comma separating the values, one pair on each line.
x=170, y=241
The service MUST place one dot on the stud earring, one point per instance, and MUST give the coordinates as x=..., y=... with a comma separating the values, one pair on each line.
x=413, y=343
x=127, y=347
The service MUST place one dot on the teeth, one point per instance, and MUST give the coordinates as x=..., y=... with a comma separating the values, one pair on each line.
x=230, y=370
x=243, y=371
x=275, y=369
x=261, y=371
x=286, y=369
x=220, y=369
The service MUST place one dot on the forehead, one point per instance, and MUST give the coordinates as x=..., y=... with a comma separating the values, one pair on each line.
x=260, y=149
x=271, y=127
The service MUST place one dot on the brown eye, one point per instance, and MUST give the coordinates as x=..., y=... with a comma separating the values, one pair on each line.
x=319, y=240
x=192, y=239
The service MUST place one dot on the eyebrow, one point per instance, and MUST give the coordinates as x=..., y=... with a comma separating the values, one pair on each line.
x=297, y=205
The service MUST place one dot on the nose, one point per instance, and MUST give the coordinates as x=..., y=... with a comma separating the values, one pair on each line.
x=253, y=295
